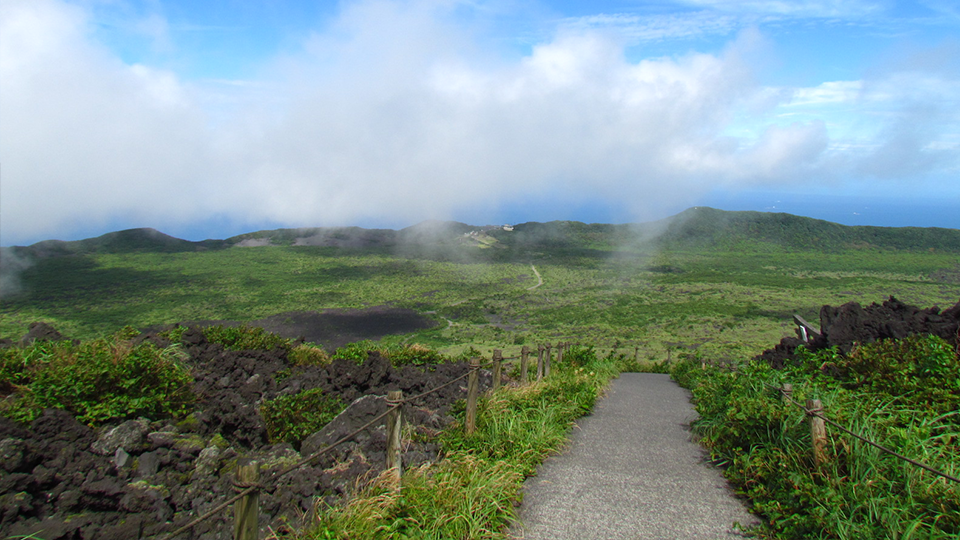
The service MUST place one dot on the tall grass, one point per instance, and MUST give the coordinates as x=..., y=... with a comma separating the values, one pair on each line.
x=473, y=491
x=860, y=492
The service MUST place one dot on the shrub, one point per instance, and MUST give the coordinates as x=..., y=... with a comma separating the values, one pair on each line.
x=893, y=392
x=308, y=355
x=104, y=379
x=415, y=354
x=246, y=338
x=357, y=352
x=292, y=418
x=398, y=355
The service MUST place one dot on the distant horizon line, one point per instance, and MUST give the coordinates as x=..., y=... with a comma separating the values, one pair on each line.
x=514, y=223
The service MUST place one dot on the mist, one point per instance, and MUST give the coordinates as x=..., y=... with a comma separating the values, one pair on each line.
x=12, y=267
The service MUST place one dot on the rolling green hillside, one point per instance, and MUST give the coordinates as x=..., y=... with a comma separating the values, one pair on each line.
x=726, y=282
x=695, y=228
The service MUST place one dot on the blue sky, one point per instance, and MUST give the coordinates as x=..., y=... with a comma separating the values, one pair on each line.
x=208, y=119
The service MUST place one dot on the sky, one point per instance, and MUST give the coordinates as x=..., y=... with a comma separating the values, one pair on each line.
x=210, y=119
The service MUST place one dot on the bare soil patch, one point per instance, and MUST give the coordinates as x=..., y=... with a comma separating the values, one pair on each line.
x=334, y=328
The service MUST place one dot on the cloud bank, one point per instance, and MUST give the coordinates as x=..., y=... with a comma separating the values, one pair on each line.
x=395, y=112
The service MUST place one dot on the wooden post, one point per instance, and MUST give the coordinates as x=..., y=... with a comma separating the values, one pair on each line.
x=559, y=353
x=524, y=364
x=497, y=367
x=472, y=389
x=818, y=431
x=540, y=349
x=246, y=510
x=394, y=423
x=787, y=392
x=546, y=361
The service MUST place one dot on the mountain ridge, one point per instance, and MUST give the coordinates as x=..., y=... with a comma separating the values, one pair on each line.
x=696, y=227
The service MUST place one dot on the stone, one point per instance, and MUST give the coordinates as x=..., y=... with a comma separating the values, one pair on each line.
x=148, y=464
x=12, y=453
x=206, y=463
x=121, y=458
x=129, y=435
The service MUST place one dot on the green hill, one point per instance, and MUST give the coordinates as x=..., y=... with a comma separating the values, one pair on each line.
x=696, y=228
x=708, y=227
x=126, y=241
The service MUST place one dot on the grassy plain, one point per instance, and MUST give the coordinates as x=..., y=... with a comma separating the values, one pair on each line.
x=724, y=303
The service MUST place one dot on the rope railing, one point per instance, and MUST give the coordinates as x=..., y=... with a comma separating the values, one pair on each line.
x=246, y=489
x=818, y=413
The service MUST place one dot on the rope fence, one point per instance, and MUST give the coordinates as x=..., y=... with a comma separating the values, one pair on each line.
x=814, y=410
x=817, y=412
x=247, y=482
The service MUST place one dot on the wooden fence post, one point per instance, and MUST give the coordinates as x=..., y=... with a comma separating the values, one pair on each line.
x=818, y=431
x=560, y=347
x=497, y=366
x=472, y=388
x=787, y=392
x=546, y=361
x=246, y=510
x=524, y=364
x=394, y=423
x=540, y=349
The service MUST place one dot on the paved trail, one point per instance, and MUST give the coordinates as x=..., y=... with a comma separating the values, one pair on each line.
x=632, y=472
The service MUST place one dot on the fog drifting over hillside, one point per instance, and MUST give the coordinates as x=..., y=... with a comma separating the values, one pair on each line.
x=398, y=112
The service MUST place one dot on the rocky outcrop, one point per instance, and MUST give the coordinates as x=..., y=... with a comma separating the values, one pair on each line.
x=850, y=324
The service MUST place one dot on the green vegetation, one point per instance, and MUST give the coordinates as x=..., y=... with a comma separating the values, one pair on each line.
x=900, y=394
x=724, y=283
x=292, y=418
x=246, y=338
x=308, y=355
x=471, y=493
x=705, y=285
x=100, y=380
x=413, y=354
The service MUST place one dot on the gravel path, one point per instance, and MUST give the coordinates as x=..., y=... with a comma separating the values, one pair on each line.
x=632, y=471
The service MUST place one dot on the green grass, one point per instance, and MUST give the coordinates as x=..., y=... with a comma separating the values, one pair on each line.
x=724, y=303
x=471, y=492
x=908, y=403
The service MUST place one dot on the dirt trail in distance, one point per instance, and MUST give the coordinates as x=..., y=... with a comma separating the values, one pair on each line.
x=539, y=278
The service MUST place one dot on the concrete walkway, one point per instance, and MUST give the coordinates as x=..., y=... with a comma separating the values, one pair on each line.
x=632, y=471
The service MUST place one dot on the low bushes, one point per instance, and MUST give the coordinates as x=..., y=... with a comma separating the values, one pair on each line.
x=99, y=380
x=399, y=355
x=901, y=394
x=291, y=418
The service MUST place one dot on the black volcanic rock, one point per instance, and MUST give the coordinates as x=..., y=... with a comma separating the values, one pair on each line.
x=851, y=324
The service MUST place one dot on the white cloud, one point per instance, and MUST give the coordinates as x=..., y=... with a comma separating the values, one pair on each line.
x=396, y=112
x=827, y=93
x=640, y=28
x=795, y=8
x=86, y=138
